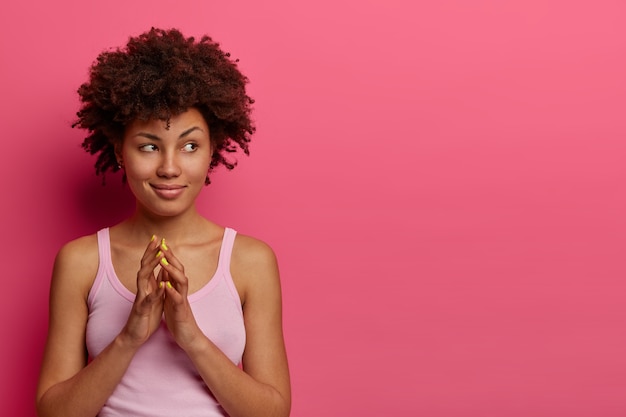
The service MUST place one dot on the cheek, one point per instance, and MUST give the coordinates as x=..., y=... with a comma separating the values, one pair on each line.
x=137, y=173
x=201, y=166
x=200, y=171
x=134, y=170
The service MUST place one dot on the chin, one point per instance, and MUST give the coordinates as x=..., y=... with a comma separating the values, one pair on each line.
x=170, y=209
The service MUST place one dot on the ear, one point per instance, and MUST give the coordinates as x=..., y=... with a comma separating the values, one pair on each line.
x=117, y=149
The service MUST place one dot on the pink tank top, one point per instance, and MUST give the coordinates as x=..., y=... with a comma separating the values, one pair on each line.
x=161, y=380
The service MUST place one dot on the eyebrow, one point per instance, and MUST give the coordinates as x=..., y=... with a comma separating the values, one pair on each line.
x=155, y=137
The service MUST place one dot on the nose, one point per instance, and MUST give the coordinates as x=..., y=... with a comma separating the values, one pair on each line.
x=169, y=166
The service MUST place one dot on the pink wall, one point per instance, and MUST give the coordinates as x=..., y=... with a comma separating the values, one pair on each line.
x=443, y=182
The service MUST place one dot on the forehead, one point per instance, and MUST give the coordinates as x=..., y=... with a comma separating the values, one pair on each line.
x=174, y=126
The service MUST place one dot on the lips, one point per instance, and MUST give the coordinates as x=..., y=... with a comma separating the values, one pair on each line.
x=168, y=191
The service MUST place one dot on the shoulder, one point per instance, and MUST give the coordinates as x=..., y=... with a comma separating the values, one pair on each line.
x=249, y=251
x=81, y=252
x=253, y=266
x=77, y=262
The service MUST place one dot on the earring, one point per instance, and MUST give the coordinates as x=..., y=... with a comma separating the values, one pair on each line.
x=119, y=165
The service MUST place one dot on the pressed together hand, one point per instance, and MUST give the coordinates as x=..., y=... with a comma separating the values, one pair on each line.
x=161, y=295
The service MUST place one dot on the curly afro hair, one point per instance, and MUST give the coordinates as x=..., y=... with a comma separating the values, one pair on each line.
x=157, y=75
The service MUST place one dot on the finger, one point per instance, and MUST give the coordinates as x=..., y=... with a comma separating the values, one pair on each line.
x=146, y=275
x=170, y=260
x=172, y=294
x=161, y=276
x=169, y=255
x=153, y=298
x=149, y=261
x=150, y=253
x=175, y=277
x=151, y=249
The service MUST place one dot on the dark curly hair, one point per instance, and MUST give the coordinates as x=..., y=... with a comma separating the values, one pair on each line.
x=160, y=74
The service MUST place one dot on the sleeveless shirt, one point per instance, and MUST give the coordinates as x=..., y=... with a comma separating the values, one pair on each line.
x=161, y=379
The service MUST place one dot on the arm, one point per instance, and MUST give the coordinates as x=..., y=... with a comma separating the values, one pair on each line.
x=67, y=385
x=262, y=388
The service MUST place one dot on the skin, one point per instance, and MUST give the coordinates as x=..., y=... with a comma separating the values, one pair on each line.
x=165, y=169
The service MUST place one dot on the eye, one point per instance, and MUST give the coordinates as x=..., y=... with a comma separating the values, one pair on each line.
x=148, y=148
x=190, y=147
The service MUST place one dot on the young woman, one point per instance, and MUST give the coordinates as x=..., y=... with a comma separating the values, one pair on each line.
x=165, y=313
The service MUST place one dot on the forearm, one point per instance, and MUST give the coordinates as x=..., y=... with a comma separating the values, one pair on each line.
x=237, y=392
x=85, y=393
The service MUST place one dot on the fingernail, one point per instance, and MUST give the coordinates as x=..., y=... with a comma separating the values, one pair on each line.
x=159, y=254
x=163, y=245
x=161, y=284
x=169, y=284
x=152, y=238
x=164, y=261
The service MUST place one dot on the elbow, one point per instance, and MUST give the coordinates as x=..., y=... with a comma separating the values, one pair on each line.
x=40, y=408
x=283, y=405
x=43, y=408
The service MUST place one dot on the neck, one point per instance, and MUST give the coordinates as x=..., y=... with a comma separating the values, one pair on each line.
x=174, y=229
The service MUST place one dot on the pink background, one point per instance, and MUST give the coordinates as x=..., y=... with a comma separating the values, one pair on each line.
x=443, y=182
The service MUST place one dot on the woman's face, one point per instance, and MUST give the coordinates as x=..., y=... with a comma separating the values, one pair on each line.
x=166, y=166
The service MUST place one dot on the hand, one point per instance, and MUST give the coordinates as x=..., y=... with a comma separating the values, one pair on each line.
x=178, y=315
x=147, y=310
